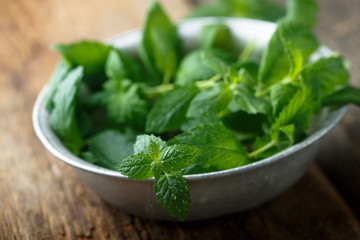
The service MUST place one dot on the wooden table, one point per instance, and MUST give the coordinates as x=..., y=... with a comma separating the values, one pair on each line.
x=42, y=198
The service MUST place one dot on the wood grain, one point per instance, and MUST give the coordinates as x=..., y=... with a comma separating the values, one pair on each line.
x=42, y=198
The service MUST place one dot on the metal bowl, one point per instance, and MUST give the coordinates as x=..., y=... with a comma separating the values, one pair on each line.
x=213, y=194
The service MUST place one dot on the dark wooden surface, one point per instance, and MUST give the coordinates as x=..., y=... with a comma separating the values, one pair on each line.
x=42, y=198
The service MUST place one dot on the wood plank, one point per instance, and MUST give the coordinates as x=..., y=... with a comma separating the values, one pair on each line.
x=42, y=198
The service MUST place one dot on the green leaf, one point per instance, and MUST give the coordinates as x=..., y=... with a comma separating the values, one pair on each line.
x=289, y=131
x=124, y=104
x=298, y=43
x=219, y=147
x=193, y=68
x=62, y=69
x=343, y=96
x=218, y=36
x=169, y=110
x=302, y=11
x=298, y=111
x=137, y=166
x=220, y=8
x=154, y=151
x=142, y=143
x=89, y=54
x=178, y=157
x=190, y=123
x=213, y=62
x=274, y=64
x=62, y=118
x=110, y=147
x=246, y=101
x=159, y=45
x=244, y=125
x=214, y=99
x=326, y=75
x=173, y=194
x=258, y=9
x=119, y=65
x=280, y=95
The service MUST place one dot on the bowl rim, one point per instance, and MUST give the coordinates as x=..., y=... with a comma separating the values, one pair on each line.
x=47, y=137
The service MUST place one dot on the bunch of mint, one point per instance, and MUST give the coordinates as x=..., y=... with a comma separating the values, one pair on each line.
x=170, y=113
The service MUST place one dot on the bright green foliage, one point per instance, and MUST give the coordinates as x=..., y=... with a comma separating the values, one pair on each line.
x=153, y=158
x=88, y=54
x=298, y=111
x=120, y=66
x=259, y=9
x=298, y=43
x=124, y=104
x=193, y=67
x=142, y=143
x=218, y=109
x=110, y=147
x=220, y=148
x=218, y=36
x=274, y=64
x=211, y=100
x=302, y=11
x=57, y=77
x=170, y=110
x=246, y=101
x=343, y=96
x=160, y=45
x=62, y=118
x=173, y=194
x=326, y=75
x=280, y=94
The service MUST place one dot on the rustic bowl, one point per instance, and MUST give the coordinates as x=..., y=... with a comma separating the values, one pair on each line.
x=213, y=194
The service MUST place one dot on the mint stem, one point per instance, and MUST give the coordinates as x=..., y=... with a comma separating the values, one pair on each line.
x=151, y=92
x=255, y=153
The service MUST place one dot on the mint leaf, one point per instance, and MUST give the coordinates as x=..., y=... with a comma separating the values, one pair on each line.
x=190, y=123
x=326, y=75
x=137, y=166
x=246, y=101
x=173, y=194
x=153, y=158
x=159, y=45
x=244, y=125
x=280, y=95
x=119, y=66
x=343, y=96
x=258, y=9
x=193, y=68
x=289, y=131
x=298, y=111
x=302, y=11
x=214, y=99
x=110, y=147
x=124, y=104
x=169, y=110
x=217, y=36
x=89, y=54
x=59, y=74
x=298, y=43
x=178, y=157
x=142, y=143
x=213, y=62
x=62, y=118
x=274, y=64
x=219, y=147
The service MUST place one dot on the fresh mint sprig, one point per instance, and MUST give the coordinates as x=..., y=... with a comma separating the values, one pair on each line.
x=153, y=158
